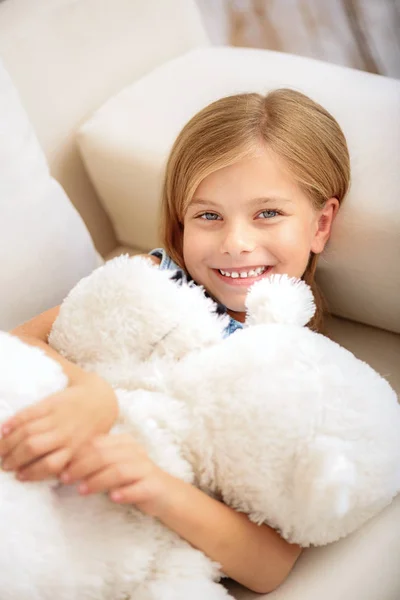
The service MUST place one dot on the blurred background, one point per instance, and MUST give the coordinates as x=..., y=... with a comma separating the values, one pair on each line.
x=363, y=34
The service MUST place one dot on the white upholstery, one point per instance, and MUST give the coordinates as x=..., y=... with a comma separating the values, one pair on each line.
x=66, y=57
x=39, y=264
x=363, y=566
x=125, y=144
x=378, y=348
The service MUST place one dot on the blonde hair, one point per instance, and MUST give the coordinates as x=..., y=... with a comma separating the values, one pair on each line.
x=293, y=126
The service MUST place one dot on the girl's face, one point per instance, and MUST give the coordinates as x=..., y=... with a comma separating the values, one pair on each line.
x=247, y=221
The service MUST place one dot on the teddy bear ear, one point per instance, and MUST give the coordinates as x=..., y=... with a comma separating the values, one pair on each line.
x=280, y=299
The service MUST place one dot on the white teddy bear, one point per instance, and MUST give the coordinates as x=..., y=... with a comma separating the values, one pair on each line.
x=277, y=421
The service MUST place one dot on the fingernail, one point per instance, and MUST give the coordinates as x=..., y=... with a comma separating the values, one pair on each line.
x=65, y=477
x=116, y=496
x=83, y=488
x=21, y=476
x=5, y=466
x=5, y=430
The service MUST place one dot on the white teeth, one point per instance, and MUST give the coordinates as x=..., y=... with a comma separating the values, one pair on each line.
x=243, y=274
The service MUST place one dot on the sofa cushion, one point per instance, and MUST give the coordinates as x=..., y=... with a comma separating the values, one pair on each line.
x=126, y=143
x=45, y=247
x=362, y=566
x=378, y=348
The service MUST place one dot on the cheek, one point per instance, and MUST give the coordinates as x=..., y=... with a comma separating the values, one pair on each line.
x=194, y=244
x=294, y=238
x=190, y=238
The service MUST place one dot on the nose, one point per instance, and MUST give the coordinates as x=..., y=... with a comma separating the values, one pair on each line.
x=237, y=239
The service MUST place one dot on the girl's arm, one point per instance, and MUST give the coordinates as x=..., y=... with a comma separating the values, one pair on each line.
x=36, y=332
x=255, y=556
x=45, y=435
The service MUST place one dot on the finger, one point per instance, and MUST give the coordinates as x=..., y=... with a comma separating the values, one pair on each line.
x=134, y=493
x=78, y=469
x=35, y=411
x=92, y=461
x=115, y=475
x=8, y=443
x=98, y=453
x=32, y=448
x=50, y=465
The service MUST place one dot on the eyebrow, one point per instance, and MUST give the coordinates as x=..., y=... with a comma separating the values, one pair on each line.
x=253, y=201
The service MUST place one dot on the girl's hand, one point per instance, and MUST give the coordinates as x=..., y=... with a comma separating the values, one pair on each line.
x=39, y=441
x=116, y=464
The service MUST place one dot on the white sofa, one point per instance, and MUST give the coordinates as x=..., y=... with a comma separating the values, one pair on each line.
x=66, y=59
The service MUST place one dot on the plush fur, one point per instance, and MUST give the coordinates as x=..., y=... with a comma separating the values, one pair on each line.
x=276, y=420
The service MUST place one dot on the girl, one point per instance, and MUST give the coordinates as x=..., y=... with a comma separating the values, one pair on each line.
x=252, y=187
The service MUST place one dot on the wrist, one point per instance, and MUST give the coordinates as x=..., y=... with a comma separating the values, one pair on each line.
x=171, y=496
x=104, y=399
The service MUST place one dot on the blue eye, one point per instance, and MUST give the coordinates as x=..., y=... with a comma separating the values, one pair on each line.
x=269, y=214
x=208, y=216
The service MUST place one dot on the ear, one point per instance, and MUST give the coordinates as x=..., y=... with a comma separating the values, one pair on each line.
x=324, y=221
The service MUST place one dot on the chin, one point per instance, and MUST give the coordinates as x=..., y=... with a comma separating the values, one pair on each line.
x=235, y=307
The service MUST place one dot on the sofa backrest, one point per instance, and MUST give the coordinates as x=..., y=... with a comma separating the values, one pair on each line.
x=131, y=135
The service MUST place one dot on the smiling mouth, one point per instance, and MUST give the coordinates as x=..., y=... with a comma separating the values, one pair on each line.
x=244, y=274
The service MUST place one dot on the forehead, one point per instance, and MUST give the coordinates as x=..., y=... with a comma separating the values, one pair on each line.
x=263, y=175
